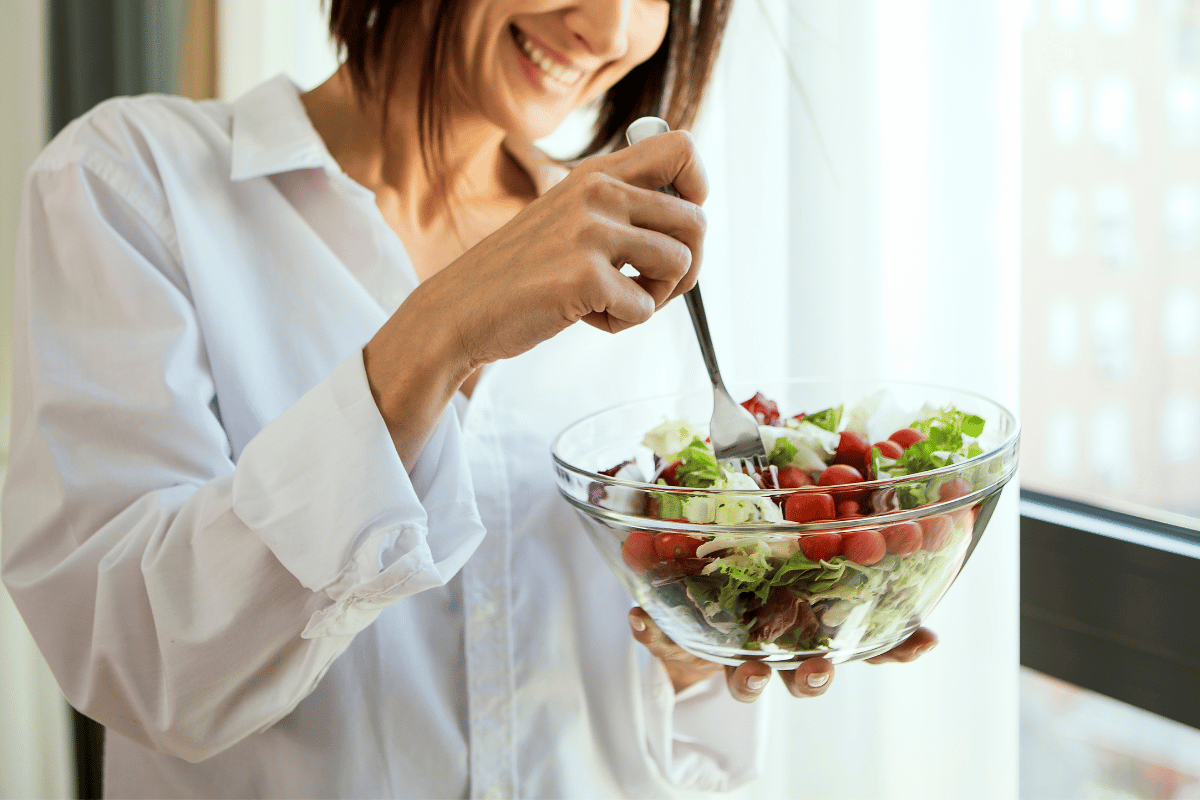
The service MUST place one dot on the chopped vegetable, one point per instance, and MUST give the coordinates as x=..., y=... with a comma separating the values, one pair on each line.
x=804, y=592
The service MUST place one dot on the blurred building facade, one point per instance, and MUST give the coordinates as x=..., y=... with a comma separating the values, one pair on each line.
x=1110, y=349
x=1110, y=334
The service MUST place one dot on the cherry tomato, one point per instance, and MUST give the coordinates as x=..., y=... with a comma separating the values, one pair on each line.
x=639, y=551
x=850, y=449
x=953, y=489
x=854, y=451
x=838, y=475
x=668, y=474
x=936, y=531
x=864, y=547
x=821, y=546
x=889, y=449
x=670, y=545
x=764, y=410
x=808, y=507
x=903, y=538
x=847, y=508
x=905, y=437
x=794, y=478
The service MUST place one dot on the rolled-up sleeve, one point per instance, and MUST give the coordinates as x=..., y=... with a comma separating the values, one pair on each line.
x=398, y=534
x=182, y=599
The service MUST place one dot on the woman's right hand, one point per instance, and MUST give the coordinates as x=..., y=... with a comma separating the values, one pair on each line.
x=557, y=262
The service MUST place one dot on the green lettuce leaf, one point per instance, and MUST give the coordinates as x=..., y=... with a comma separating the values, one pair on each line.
x=829, y=418
x=783, y=452
x=699, y=469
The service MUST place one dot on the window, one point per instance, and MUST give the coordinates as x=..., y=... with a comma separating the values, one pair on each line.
x=1110, y=398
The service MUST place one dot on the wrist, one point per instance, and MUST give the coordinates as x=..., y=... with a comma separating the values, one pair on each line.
x=414, y=366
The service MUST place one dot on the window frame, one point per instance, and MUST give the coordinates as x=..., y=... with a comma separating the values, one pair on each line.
x=1139, y=644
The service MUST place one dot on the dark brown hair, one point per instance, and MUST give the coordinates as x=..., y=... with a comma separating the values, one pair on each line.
x=669, y=84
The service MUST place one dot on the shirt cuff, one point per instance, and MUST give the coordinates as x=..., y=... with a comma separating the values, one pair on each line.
x=325, y=490
x=702, y=739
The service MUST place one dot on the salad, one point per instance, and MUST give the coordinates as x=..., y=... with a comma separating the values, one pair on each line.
x=823, y=590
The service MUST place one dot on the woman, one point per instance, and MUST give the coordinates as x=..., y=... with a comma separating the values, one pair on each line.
x=279, y=510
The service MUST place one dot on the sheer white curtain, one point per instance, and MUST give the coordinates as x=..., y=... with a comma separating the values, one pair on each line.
x=863, y=157
x=35, y=751
x=864, y=223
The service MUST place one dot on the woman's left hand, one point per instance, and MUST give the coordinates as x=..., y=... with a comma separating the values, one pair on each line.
x=747, y=681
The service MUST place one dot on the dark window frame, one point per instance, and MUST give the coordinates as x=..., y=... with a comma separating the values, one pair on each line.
x=1110, y=601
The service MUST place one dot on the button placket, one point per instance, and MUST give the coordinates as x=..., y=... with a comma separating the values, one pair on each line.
x=486, y=593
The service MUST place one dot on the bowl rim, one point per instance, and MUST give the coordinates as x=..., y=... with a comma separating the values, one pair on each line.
x=1000, y=448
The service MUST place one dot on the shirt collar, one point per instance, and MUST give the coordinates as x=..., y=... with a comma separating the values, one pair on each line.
x=272, y=133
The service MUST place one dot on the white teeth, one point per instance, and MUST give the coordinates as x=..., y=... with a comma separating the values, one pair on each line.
x=565, y=75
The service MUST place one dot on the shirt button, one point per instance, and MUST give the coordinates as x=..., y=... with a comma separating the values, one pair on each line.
x=485, y=610
x=493, y=793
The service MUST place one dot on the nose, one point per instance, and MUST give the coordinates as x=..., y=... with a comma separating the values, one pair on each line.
x=602, y=26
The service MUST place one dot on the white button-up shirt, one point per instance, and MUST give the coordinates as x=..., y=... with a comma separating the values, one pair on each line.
x=211, y=537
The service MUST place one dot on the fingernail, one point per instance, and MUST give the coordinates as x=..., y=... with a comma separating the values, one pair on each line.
x=927, y=648
x=637, y=623
x=755, y=683
x=818, y=679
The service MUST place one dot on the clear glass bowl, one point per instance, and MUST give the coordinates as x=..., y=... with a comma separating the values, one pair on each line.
x=789, y=607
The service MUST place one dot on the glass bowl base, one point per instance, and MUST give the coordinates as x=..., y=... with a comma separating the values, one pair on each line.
x=788, y=659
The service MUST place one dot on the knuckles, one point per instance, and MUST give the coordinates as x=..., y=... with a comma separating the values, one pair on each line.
x=598, y=189
x=591, y=229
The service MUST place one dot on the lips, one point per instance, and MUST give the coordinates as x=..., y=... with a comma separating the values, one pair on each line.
x=547, y=65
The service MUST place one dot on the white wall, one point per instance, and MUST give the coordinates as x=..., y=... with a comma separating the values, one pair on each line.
x=35, y=754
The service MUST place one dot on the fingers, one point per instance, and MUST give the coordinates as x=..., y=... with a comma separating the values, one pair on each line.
x=661, y=646
x=747, y=681
x=660, y=235
x=613, y=301
x=648, y=634
x=666, y=160
x=680, y=220
x=625, y=218
x=683, y=668
x=661, y=261
x=916, y=645
x=811, y=679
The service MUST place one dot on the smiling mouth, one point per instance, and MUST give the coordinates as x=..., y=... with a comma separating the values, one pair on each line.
x=547, y=65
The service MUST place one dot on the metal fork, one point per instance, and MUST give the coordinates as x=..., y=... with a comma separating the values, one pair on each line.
x=733, y=430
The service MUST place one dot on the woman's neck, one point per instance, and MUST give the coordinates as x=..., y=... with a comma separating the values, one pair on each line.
x=474, y=171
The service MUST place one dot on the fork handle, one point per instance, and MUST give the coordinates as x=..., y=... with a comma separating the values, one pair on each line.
x=695, y=307
x=639, y=130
